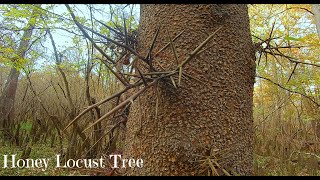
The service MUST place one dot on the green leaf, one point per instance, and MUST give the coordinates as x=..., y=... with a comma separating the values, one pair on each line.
x=32, y=21
x=289, y=38
x=26, y=126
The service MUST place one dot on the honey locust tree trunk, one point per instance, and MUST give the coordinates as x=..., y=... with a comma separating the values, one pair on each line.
x=172, y=130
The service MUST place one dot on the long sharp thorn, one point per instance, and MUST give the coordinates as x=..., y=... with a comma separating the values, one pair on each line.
x=173, y=49
x=195, y=51
x=152, y=45
x=173, y=82
x=194, y=78
x=142, y=77
x=168, y=44
x=180, y=75
x=157, y=100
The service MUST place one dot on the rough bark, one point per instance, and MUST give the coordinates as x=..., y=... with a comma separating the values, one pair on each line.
x=8, y=95
x=196, y=117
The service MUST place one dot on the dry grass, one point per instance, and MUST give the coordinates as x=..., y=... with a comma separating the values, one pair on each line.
x=287, y=137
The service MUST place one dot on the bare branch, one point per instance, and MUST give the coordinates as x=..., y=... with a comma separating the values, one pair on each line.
x=96, y=46
x=104, y=135
x=110, y=28
x=292, y=59
x=98, y=104
x=295, y=66
x=130, y=99
x=292, y=91
x=86, y=34
x=115, y=42
x=125, y=31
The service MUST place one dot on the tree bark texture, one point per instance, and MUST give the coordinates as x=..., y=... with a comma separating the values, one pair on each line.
x=172, y=129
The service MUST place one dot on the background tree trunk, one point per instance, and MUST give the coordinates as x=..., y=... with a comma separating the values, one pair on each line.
x=8, y=95
x=7, y=103
x=316, y=11
x=197, y=117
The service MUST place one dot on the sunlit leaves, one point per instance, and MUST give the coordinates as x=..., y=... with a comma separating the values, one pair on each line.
x=288, y=38
x=294, y=27
x=16, y=19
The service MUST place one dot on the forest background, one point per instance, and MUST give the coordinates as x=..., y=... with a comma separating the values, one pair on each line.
x=60, y=73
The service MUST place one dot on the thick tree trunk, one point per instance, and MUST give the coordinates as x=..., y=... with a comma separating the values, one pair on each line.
x=7, y=102
x=8, y=95
x=197, y=117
